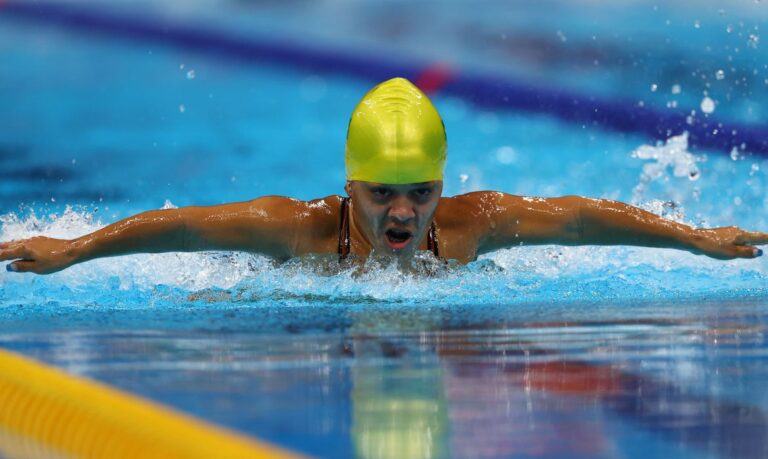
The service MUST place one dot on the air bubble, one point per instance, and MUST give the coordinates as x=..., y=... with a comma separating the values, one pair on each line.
x=753, y=40
x=676, y=89
x=182, y=108
x=654, y=87
x=720, y=75
x=191, y=75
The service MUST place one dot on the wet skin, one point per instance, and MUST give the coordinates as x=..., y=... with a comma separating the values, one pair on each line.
x=391, y=220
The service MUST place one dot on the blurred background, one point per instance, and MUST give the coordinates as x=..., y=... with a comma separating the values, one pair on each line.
x=124, y=105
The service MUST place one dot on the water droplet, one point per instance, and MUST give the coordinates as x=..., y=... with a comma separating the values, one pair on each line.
x=720, y=75
x=676, y=89
x=707, y=105
x=182, y=108
x=735, y=154
x=506, y=155
x=654, y=87
x=191, y=75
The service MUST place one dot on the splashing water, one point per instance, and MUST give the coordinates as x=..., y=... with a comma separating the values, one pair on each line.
x=673, y=154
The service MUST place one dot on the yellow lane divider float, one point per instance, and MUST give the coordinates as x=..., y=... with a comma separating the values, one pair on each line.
x=46, y=413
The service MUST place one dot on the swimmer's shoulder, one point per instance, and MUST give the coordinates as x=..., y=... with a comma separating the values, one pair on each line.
x=468, y=209
x=318, y=221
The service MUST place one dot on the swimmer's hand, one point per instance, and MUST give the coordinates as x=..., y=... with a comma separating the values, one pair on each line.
x=40, y=255
x=728, y=242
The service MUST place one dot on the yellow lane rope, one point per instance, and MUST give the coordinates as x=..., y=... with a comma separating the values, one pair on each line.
x=45, y=412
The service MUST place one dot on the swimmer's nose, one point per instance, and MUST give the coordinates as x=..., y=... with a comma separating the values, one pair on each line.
x=401, y=210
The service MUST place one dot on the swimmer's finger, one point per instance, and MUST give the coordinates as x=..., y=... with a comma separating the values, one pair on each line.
x=21, y=266
x=746, y=251
x=13, y=252
x=752, y=238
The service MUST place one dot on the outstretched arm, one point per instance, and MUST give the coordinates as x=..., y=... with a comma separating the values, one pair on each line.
x=265, y=225
x=573, y=220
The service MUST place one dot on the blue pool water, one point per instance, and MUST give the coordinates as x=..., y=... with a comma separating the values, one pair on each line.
x=528, y=352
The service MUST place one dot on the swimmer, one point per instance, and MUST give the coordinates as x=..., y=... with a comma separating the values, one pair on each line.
x=395, y=156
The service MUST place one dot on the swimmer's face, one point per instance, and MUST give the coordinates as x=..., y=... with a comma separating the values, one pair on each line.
x=394, y=218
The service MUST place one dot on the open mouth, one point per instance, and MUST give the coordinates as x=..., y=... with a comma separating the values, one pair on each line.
x=397, y=239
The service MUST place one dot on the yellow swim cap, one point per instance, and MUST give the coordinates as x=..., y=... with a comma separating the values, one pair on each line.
x=395, y=136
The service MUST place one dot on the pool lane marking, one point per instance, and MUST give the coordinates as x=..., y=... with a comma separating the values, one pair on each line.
x=434, y=77
x=45, y=410
x=482, y=90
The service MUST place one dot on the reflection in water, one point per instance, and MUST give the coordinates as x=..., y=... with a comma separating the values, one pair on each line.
x=405, y=382
x=484, y=393
x=399, y=408
x=399, y=414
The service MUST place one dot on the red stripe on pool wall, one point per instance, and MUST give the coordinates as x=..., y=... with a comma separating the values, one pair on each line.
x=434, y=77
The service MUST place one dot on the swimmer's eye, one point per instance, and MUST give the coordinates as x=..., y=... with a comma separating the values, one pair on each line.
x=381, y=192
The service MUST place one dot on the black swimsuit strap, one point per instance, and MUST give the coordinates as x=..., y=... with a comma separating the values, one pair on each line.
x=344, y=244
x=344, y=229
x=432, y=241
